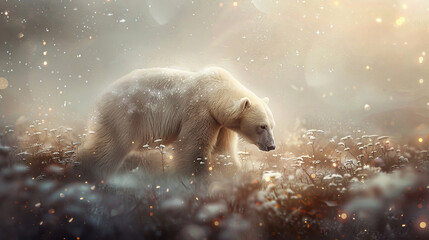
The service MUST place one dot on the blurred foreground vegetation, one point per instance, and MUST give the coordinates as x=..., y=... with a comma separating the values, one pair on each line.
x=321, y=186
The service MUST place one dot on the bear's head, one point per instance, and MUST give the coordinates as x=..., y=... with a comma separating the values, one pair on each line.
x=253, y=120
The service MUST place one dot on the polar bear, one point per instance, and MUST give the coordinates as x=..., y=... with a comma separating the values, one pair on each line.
x=198, y=113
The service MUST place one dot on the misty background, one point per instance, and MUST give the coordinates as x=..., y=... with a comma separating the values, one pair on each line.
x=323, y=64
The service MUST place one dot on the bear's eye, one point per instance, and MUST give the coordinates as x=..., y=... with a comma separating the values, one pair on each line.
x=263, y=127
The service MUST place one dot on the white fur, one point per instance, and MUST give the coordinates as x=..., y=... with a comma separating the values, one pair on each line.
x=198, y=113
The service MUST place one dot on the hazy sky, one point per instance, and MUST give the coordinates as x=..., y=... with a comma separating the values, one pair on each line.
x=316, y=60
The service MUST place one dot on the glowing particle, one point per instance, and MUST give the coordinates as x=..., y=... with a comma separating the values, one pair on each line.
x=158, y=187
x=45, y=52
x=336, y=3
x=421, y=59
x=216, y=223
x=378, y=20
x=400, y=21
x=70, y=220
x=44, y=43
x=6, y=13
x=404, y=6
x=221, y=4
x=323, y=95
x=344, y=216
x=267, y=179
x=421, y=80
x=61, y=194
x=81, y=198
x=367, y=107
x=403, y=225
x=3, y=83
x=210, y=168
x=51, y=211
x=45, y=63
x=331, y=94
x=313, y=175
x=334, y=164
x=37, y=205
x=420, y=140
x=171, y=157
x=261, y=224
x=422, y=225
x=235, y=4
x=367, y=67
x=20, y=35
x=90, y=37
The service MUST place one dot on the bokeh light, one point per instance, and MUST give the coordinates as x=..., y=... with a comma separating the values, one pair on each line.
x=3, y=83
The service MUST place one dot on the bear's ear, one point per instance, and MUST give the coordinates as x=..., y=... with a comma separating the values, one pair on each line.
x=238, y=108
x=244, y=104
x=266, y=100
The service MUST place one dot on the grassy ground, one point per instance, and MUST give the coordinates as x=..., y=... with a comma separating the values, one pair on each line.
x=323, y=186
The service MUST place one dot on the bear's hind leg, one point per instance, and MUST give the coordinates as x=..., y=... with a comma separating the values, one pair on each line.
x=104, y=157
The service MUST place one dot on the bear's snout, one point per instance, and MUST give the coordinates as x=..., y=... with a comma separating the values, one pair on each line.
x=266, y=142
x=266, y=148
x=272, y=147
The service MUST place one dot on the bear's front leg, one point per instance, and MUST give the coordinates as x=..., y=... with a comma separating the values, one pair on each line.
x=193, y=148
x=226, y=144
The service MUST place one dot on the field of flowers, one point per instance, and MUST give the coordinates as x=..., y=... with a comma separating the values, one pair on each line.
x=323, y=186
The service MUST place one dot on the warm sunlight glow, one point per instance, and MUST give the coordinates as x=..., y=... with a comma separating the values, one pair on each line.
x=268, y=119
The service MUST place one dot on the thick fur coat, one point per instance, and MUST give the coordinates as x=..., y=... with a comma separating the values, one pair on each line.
x=198, y=113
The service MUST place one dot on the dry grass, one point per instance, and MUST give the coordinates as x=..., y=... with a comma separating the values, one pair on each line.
x=321, y=187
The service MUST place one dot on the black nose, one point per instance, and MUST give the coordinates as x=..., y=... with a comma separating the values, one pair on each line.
x=269, y=148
